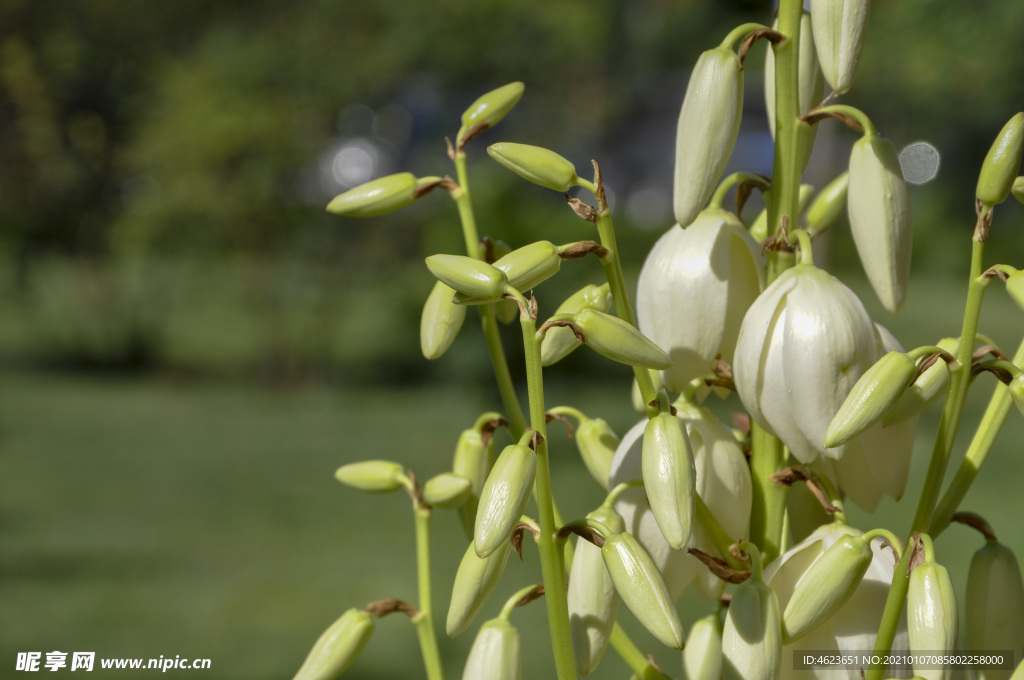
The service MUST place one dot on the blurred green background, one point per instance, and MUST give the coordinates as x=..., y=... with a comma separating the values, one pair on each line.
x=190, y=345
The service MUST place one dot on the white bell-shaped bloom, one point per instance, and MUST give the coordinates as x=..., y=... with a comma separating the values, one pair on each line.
x=802, y=346
x=852, y=628
x=694, y=288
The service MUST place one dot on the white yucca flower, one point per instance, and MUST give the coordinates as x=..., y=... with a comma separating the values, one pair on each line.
x=802, y=346
x=695, y=286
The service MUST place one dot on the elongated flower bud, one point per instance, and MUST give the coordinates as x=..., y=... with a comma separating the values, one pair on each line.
x=702, y=656
x=440, y=322
x=931, y=615
x=597, y=442
x=593, y=602
x=504, y=497
x=642, y=588
x=527, y=266
x=1015, y=288
x=751, y=639
x=338, y=647
x=615, y=339
x=486, y=111
x=872, y=395
x=1002, y=163
x=828, y=205
x=446, y=490
x=708, y=124
x=560, y=341
x=695, y=286
x=536, y=164
x=382, y=195
x=1018, y=189
x=826, y=586
x=475, y=580
x=496, y=653
x=669, y=478
x=928, y=387
x=839, y=30
x=472, y=460
x=810, y=85
x=879, y=209
x=474, y=278
x=994, y=605
x=373, y=476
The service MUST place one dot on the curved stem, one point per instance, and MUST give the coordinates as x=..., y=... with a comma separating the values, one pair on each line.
x=620, y=489
x=891, y=615
x=424, y=621
x=729, y=182
x=756, y=560
x=510, y=603
x=852, y=112
x=739, y=32
x=894, y=541
x=804, y=239
x=631, y=654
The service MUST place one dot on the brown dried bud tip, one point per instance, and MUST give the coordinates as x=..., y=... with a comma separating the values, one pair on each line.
x=986, y=349
x=917, y=552
x=583, y=532
x=549, y=416
x=602, y=204
x=984, y=223
x=976, y=522
x=719, y=568
x=390, y=605
x=723, y=376
x=582, y=249
x=813, y=116
x=564, y=323
x=746, y=187
x=534, y=594
x=582, y=210
x=774, y=37
x=798, y=473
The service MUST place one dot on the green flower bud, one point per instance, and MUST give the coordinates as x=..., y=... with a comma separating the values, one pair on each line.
x=839, y=30
x=1015, y=287
x=467, y=275
x=928, y=387
x=931, y=615
x=473, y=461
x=382, y=195
x=536, y=164
x=507, y=310
x=338, y=647
x=670, y=477
x=504, y=497
x=642, y=588
x=879, y=210
x=1018, y=189
x=597, y=443
x=527, y=266
x=486, y=111
x=475, y=580
x=826, y=586
x=440, y=322
x=829, y=204
x=559, y=341
x=593, y=602
x=1016, y=388
x=702, y=656
x=810, y=85
x=373, y=476
x=447, y=490
x=615, y=339
x=751, y=643
x=708, y=124
x=1002, y=163
x=994, y=605
x=496, y=653
x=876, y=391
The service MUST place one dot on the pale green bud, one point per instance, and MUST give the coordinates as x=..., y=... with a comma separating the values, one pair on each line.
x=826, y=586
x=615, y=339
x=507, y=310
x=879, y=210
x=1015, y=287
x=373, y=476
x=338, y=647
x=994, y=605
x=839, y=31
x=486, y=111
x=593, y=602
x=670, y=478
x=876, y=391
x=473, y=461
x=440, y=322
x=560, y=341
x=931, y=615
x=474, y=278
x=597, y=443
x=708, y=124
x=642, y=588
x=829, y=204
x=496, y=653
x=1018, y=189
x=1002, y=163
x=527, y=266
x=504, y=497
x=380, y=196
x=751, y=639
x=475, y=580
x=447, y=490
x=928, y=387
x=702, y=656
x=810, y=85
x=536, y=164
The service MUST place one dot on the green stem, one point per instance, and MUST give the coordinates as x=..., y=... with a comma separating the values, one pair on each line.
x=729, y=182
x=985, y=436
x=855, y=113
x=488, y=316
x=891, y=615
x=739, y=32
x=631, y=654
x=424, y=621
x=510, y=603
x=551, y=552
x=769, y=507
